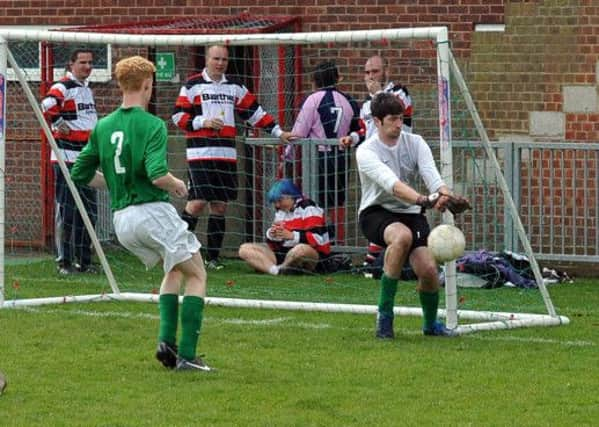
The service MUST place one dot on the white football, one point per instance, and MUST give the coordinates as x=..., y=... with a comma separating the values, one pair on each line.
x=446, y=242
x=3, y=383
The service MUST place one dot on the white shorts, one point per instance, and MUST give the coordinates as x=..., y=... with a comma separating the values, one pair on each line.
x=152, y=231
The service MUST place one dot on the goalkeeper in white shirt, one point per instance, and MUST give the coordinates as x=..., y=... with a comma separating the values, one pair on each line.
x=391, y=212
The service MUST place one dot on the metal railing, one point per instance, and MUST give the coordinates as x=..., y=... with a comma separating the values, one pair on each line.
x=555, y=186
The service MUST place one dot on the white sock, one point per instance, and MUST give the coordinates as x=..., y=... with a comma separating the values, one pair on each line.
x=274, y=270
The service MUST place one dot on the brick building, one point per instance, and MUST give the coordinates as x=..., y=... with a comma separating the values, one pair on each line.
x=537, y=78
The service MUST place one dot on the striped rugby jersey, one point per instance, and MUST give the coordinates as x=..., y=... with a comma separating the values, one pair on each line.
x=71, y=101
x=402, y=93
x=307, y=221
x=201, y=99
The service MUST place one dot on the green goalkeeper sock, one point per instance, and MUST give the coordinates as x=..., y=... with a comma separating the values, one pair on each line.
x=430, y=303
x=192, y=310
x=387, y=295
x=169, y=307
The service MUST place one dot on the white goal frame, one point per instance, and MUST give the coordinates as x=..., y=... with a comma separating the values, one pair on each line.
x=445, y=64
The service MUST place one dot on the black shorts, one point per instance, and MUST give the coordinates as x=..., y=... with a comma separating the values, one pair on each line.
x=374, y=220
x=332, y=177
x=280, y=254
x=212, y=181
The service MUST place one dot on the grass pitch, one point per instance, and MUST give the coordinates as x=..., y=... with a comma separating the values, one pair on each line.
x=92, y=364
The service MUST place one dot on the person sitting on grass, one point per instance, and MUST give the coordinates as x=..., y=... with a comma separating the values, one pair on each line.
x=297, y=240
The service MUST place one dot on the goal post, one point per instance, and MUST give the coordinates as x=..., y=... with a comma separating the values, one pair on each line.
x=3, y=61
x=504, y=188
x=73, y=190
x=420, y=57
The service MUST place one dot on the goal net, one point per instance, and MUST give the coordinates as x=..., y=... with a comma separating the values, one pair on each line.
x=277, y=68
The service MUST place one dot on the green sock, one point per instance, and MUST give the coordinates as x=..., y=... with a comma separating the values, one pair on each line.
x=192, y=310
x=169, y=307
x=387, y=295
x=430, y=303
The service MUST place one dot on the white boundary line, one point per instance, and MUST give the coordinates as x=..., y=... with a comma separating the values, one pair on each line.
x=292, y=322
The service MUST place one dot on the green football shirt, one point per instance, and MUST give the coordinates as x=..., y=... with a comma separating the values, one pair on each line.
x=129, y=146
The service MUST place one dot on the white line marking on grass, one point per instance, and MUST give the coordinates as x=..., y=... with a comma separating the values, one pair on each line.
x=237, y=321
x=530, y=340
x=88, y=313
x=287, y=321
x=578, y=343
x=307, y=325
x=291, y=322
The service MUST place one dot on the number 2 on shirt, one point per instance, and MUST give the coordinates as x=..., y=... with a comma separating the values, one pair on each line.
x=117, y=138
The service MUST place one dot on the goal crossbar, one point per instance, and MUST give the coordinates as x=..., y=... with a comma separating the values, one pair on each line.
x=430, y=33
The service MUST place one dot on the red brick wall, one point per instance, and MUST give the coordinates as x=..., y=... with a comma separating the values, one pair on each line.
x=547, y=44
x=317, y=15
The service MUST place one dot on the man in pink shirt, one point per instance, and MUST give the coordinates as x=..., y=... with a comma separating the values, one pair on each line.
x=330, y=114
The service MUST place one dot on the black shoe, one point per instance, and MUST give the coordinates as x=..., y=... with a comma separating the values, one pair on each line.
x=90, y=269
x=292, y=271
x=167, y=354
x=214, y=264
x=384, y=326
x=66, y=270
x=192, y=365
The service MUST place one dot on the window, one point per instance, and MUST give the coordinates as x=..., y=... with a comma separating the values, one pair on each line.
x=489, y=28
x=28, y=55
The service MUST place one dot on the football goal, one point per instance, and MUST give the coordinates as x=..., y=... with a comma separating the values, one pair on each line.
x=277, y=68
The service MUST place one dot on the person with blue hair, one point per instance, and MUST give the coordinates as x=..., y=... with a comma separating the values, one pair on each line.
x=283, y=187
x=298, y=238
